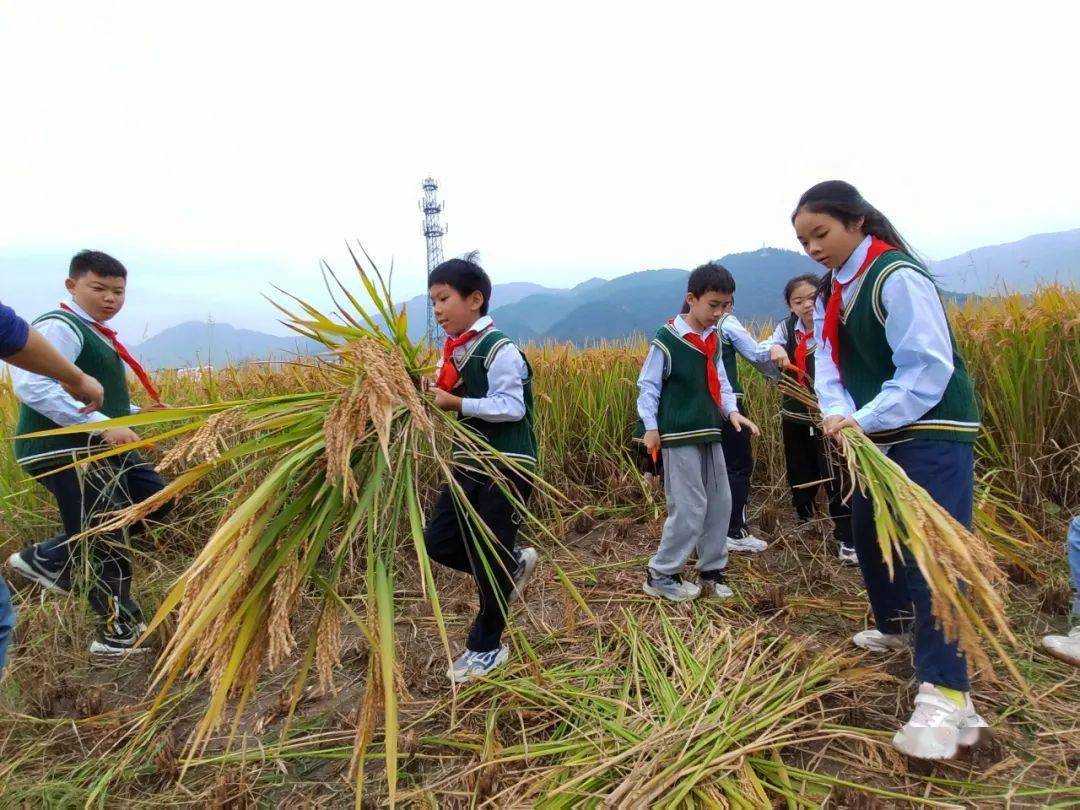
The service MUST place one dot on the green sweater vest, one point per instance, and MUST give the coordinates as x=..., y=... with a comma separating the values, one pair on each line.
x=516, y=440
x=790, y=408
x=687, y=413
x=731, y=360
x=97, y=358
x=866, y=361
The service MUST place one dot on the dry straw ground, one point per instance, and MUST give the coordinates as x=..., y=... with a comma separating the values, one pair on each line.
x=609, y=696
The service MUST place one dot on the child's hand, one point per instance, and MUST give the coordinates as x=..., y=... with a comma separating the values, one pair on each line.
x=118, y=436
x=652, y=441
x=835, y=423
x=85, y=389
x=738, y=421
x=446, y=401
x=779, y=357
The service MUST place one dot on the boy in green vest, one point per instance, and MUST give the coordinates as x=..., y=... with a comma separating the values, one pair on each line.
x=97, y=285
x=485, y=378
x=684, y=400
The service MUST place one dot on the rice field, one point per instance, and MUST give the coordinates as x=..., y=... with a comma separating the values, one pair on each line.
x=610, y=699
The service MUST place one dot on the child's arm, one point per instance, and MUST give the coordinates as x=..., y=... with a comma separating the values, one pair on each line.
x=650, y=381
x=44, y=394
x=756, y=353
x=918, y=334
x=505, y=400
x=775, y=343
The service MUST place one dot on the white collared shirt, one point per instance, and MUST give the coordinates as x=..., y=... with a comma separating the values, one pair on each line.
x=651, y=379
x=506, y=376
x=917, y=331
x=44, y=394
x=757, y=353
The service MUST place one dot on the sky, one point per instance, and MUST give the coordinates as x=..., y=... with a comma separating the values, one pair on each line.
x=219, y=149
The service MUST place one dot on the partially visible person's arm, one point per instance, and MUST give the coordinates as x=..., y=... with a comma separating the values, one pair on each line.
x=48, y=395
x=24, y=347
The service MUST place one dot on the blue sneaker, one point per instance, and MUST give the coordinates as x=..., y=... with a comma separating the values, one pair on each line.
x=472, y=665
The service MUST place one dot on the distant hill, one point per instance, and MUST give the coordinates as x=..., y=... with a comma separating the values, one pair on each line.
x=639, y=302
x=1016, y=266
x=216, y=344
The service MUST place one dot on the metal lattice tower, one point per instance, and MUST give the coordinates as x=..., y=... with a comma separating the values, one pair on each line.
x=433, y=233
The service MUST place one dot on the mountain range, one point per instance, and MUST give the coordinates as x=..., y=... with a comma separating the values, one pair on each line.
x=599, y=309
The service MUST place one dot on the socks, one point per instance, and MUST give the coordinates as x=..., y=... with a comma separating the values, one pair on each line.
x=955, y=695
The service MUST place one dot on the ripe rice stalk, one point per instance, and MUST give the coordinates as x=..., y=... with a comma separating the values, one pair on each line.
x=959, y=566
x=322, y=477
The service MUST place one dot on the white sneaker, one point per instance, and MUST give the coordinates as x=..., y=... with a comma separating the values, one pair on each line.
x=938, y=726
x=715, y=586
x=848, y=556
x=670, y=586
x=748, y=543
x=1066, y=648
x=876, y=641
x=527, y=559
x=472, y=665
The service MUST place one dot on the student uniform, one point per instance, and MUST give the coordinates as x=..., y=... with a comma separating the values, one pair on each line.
x=902, y=379
x=805, y=452
x=495, y=383
x=674, y=399
x=84, y=492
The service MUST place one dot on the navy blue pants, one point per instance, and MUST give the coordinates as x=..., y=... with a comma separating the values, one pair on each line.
x=946, y=470
x=739, y=459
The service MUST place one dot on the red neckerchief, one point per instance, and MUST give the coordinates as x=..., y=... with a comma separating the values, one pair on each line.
x=830, y=331
x=803, y=338
x=448, y=373
x=125, y=355
x=708, y=348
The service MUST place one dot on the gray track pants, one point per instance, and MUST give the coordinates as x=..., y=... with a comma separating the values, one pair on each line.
x=698, y=507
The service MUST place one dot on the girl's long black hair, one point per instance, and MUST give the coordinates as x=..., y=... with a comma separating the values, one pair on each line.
x=843, y=201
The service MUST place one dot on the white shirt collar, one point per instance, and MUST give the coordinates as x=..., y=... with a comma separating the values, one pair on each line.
x=479, y=325
x=79, y=311
x=849, y=268
x=683, y=328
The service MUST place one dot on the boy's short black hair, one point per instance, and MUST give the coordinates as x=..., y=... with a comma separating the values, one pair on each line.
x=96, y=262
x=710, y=277
x=465, y=276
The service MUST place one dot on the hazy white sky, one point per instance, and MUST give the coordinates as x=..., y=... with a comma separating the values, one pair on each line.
x=218, y=147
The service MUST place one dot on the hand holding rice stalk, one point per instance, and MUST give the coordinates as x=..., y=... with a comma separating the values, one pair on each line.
x=325, y=489
x=958, y=565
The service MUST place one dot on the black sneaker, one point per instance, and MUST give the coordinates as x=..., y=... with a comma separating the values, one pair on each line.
x=122, y=640
x=49, y=575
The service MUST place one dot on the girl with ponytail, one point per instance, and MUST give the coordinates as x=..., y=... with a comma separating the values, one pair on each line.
x=886, y=364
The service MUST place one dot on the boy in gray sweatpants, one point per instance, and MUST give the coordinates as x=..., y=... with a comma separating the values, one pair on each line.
x=683, y=399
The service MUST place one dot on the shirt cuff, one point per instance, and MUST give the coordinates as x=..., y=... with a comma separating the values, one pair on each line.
x=650, y=424
x=468, y=407
x=867, y=420
x=730, y=407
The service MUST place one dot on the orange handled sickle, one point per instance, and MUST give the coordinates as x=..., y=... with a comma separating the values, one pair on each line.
x=653, y=453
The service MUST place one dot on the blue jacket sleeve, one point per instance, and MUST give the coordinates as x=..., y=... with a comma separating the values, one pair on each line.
x=14, y=332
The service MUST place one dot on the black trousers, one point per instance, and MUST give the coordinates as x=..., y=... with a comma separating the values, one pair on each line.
x=739, y=458
x=84, y=493
x=806, y=458
x=452, y=540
